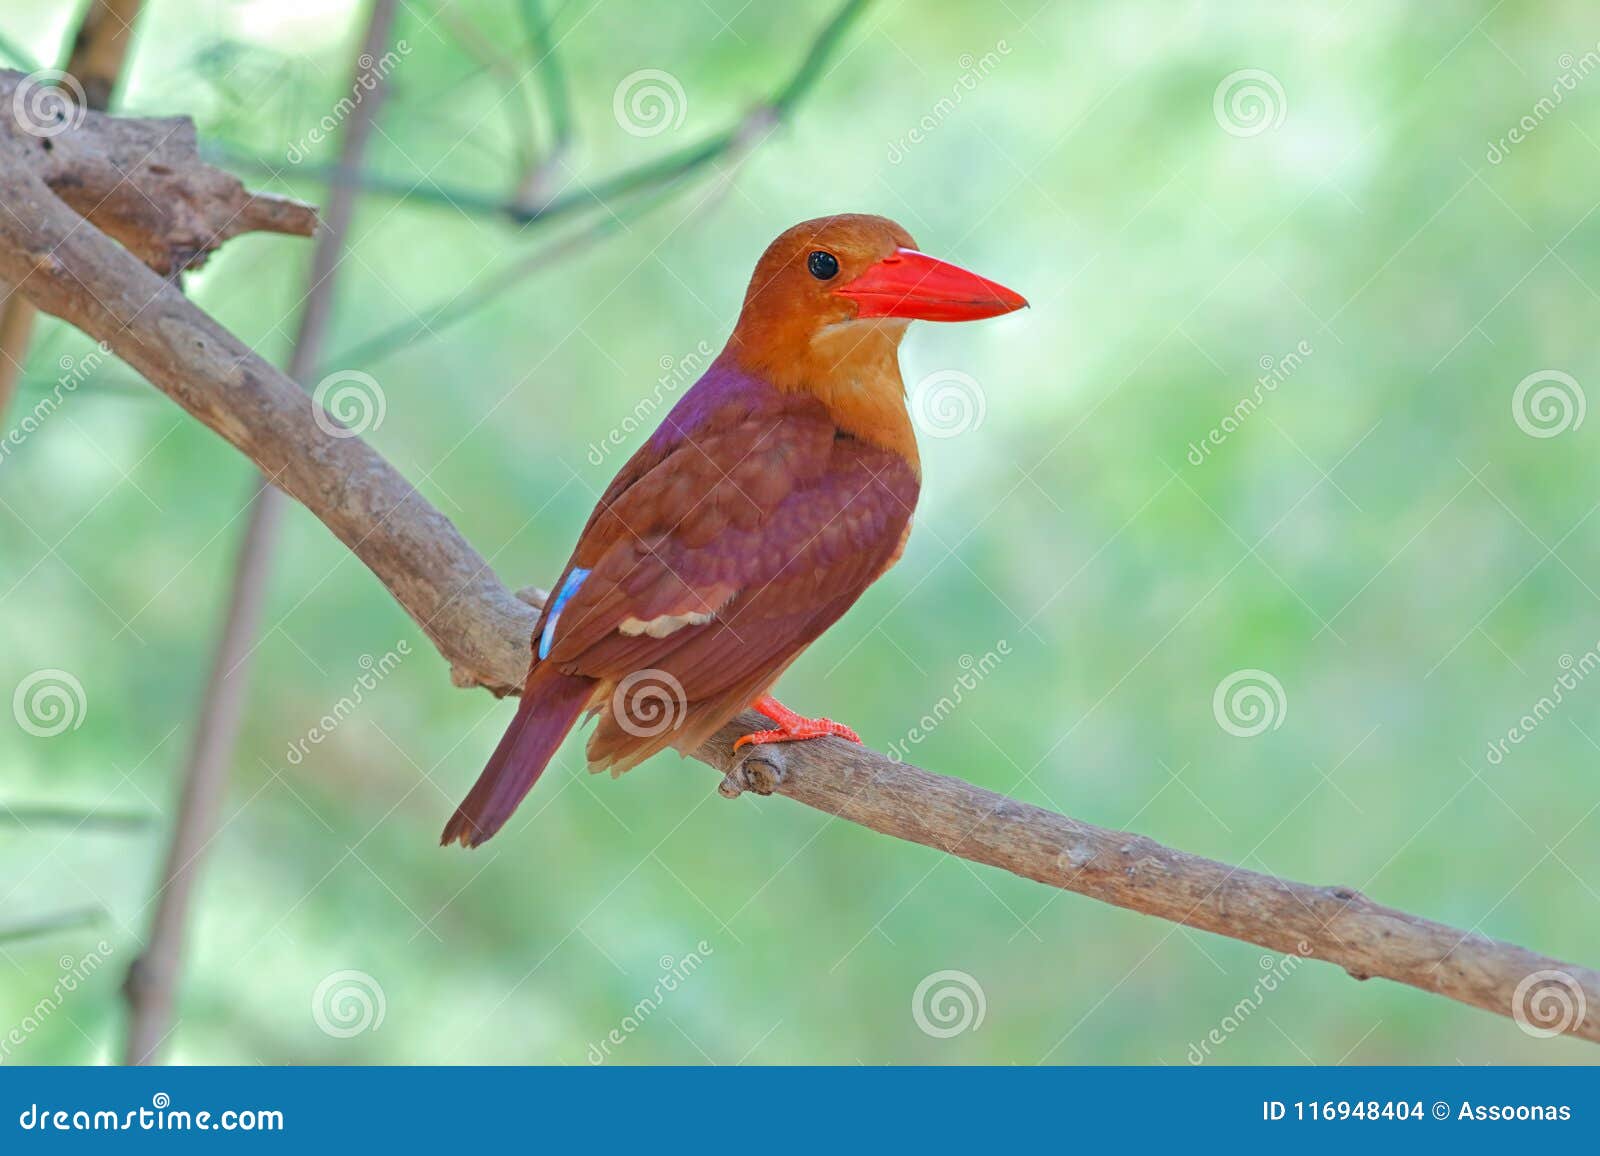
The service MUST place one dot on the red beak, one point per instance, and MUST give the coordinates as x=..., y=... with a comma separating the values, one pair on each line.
x=911, y=284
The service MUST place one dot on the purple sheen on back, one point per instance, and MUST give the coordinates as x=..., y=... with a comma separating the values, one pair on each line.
x=719, y=386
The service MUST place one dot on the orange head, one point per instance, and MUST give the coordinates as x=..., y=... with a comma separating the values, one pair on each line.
x=828, y=305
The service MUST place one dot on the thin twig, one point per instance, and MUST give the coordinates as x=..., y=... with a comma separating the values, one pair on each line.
x=483, y=631
x=533, y=190
x=551, y=73
x=152, y=979
x=649, y=185
x=95, y=63
x=404, y=334
x=501, y=64
x=17, y=316
x=667, y=169
x=29, y=816
x=50, y=924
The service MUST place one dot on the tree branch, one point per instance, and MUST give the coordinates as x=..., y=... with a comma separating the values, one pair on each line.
x=50, y=924
x=539, y=176
x=93, y=66
x=625, y=196
x=30, y=816
x=141, y=181
x=483, y=631
x=664, y=170
x=152, y=980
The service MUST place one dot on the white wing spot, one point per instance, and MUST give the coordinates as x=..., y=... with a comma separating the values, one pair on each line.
x=664, y=625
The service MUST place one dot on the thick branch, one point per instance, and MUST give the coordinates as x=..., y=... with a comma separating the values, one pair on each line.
x=483, y=631
x=74, y=272
x=142, y=181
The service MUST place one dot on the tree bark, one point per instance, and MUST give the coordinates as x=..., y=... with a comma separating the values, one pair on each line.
x=76, y=273
x=95, y=64
x=152, y=981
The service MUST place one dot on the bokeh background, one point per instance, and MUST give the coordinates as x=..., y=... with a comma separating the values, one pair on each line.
x=1405, y=550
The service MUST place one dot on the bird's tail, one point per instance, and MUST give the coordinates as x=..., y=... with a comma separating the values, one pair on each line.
x=550, y=705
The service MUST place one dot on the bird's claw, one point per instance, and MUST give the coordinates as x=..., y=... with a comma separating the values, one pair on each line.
x=761, y=769
x=820, y=728
x=793, y=727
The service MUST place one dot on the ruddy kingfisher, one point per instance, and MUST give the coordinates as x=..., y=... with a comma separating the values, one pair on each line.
x=779, y=487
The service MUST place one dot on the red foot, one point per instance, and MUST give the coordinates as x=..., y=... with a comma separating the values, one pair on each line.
x=792, y=727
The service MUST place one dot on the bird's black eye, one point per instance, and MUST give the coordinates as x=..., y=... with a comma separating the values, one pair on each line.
x=823, y=266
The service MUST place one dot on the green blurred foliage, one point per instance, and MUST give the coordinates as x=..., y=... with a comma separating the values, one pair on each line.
x=1380, y=535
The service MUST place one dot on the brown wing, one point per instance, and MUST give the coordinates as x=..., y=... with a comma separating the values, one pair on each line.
x=715, y=559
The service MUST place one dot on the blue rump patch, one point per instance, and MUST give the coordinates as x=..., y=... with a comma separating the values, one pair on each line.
x=568, y=589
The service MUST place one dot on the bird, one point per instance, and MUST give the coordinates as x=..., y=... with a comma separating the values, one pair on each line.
x=775, y=491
